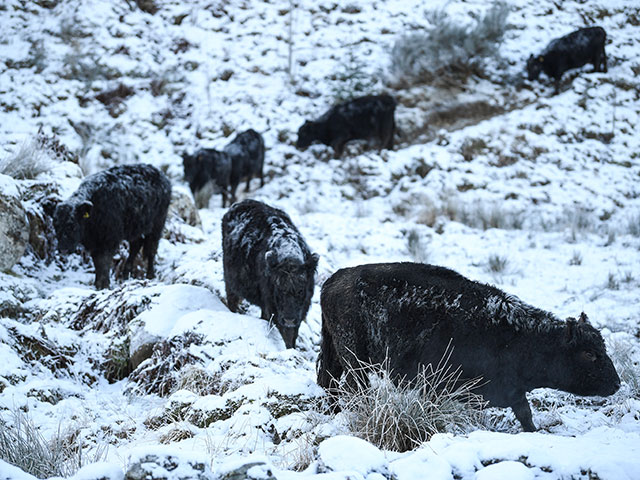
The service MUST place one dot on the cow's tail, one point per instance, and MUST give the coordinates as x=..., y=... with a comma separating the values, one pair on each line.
x=328, y=366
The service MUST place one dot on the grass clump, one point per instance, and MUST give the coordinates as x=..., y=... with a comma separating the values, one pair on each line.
x=497, y=263
x=447, y=48
x=395, y=413
x=416, y=247
x=23, y=445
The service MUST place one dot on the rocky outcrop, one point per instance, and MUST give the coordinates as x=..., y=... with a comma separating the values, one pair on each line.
x=14, y=228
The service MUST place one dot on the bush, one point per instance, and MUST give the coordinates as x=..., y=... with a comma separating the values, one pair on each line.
x=22, y=445
x=395, y=413
x=447, y=48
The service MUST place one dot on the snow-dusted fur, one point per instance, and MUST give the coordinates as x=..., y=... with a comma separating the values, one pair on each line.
x=574, y=50
x=411, y=312
x=267, y=262
x=208, y=169
x=128, y=202
x=364, y=118
x=246, y=151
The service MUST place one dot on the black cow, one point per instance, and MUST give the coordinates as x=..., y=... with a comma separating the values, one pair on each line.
x=247, y=159
x=127, y=202
x=366, y=118
x=412, y=312
x=574, y=50
x=267, y=261
x=207, y=171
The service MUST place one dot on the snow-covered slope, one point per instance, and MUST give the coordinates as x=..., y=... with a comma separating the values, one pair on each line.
x=496, y=178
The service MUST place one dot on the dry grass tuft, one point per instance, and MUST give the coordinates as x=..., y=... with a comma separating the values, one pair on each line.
x=23, y=445
x=398, y=414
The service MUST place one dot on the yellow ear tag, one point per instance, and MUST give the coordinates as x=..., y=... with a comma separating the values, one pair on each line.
x=86, y=215
x=541, y=59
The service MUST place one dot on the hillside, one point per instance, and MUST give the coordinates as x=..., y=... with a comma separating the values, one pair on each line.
x=492, y=175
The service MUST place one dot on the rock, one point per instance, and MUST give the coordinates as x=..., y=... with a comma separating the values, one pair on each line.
x=250, y=471
x=40, y=199
x=337, y=454
x=183, y=206
x=167, y=466
x=183, y=221
x=14, y=228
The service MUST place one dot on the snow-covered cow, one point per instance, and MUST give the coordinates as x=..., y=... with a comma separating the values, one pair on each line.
x=208, y=170
x=127, y=202
x=246, y=151
x=412, y=312
x=267, y=262
x=364, y=118
x=574, y=50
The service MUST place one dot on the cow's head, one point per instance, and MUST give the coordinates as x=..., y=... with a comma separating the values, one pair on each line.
x=307, y=134
x=70, y=220
x=293, y=282
x=534, y=66
x=590, y=371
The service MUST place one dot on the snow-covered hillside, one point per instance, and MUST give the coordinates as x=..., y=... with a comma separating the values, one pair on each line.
x=495, y=177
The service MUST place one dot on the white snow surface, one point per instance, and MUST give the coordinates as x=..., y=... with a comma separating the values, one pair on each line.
x=547, y=208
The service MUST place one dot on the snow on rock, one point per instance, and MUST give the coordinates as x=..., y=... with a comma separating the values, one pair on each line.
x=502, y=470
x=167, y=463
x=343, y=453
x=10, y=472
x=99, y=471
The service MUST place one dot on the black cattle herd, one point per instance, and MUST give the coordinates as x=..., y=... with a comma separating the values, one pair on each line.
x=410, y=313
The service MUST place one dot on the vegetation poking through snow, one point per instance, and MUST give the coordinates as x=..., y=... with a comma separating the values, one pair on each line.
x=159, y=373
x=400, y=414
x=22, y=445
x=448, y=47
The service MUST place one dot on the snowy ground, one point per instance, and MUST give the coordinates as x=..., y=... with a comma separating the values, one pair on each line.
x=542, y=200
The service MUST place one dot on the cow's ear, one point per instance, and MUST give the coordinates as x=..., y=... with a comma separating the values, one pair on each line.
x=541, y=58
x=313, y=260
x=270, y=258
x=570, y=331
x=84, y=210
x=583, y=318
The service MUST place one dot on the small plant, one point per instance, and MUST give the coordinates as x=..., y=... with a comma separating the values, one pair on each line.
x=472, y=147
x=576, y=258
x=23, y=445
x=158, y=374
x=497, y=263
x=395, y=413
x=351, y=79
x=197, y=380
x=612, y=282
x=28, y=162
x=447, y=48
x=416, y=247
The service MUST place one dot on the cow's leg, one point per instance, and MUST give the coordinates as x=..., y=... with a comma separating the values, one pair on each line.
x=102, y=265
x=248, y=183
x=232, y=301
x=338, y=146
x=224, y=197
x=134, y=248
x=151, y=242
x=232, y=193
x=522, y=411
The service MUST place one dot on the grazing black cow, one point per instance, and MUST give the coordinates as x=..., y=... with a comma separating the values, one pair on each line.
x=127, y=202
x=364, y=118
x=574, y=50
x=207, y=171
x=412, y=312
x=247, y=159
x=267, y=261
